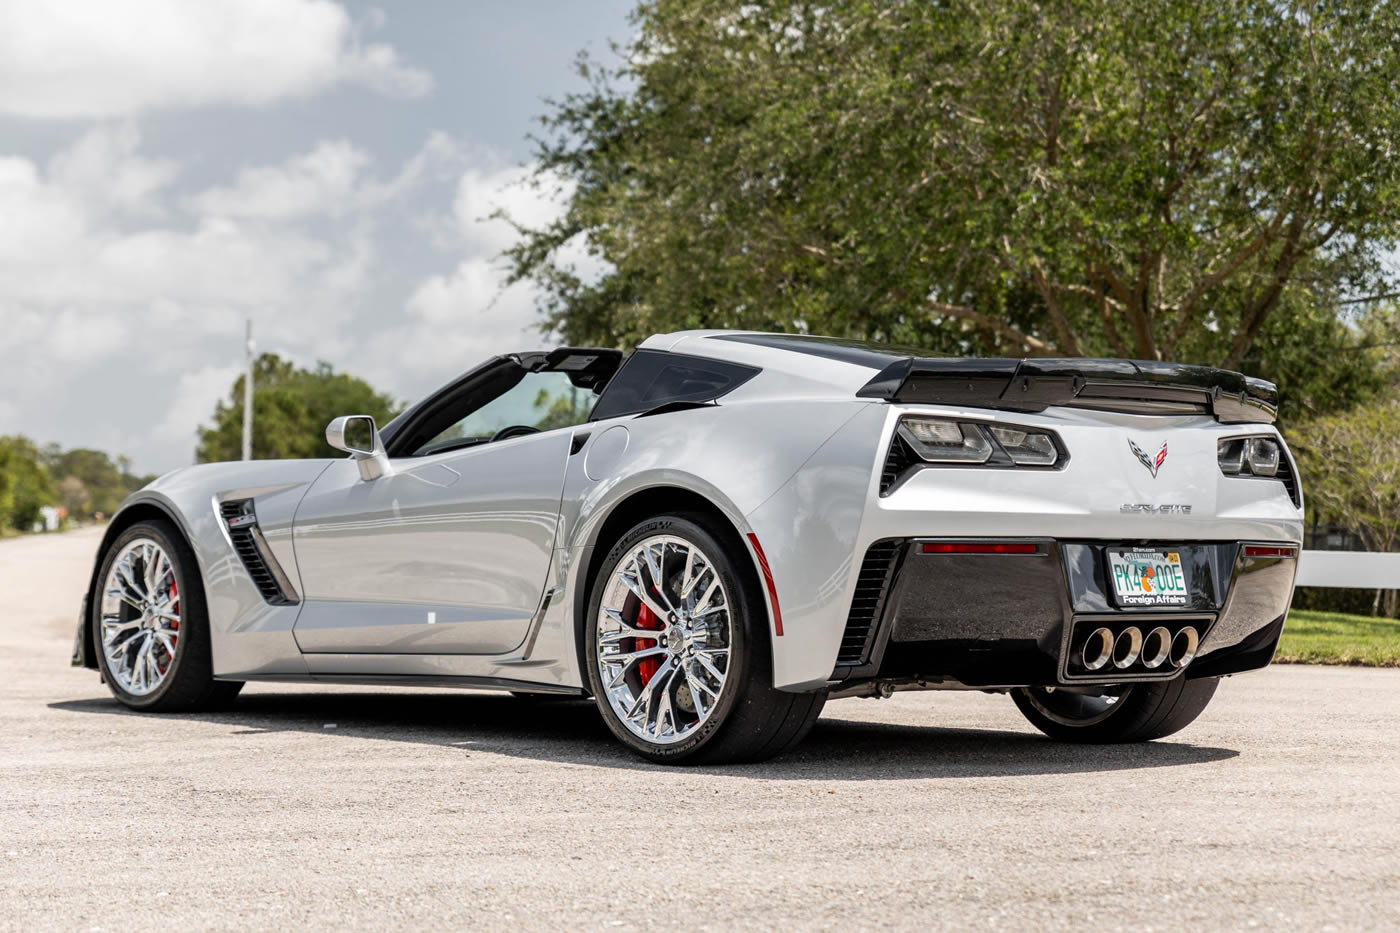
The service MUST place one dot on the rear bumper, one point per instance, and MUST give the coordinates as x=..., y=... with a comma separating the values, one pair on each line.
x=1022, y=618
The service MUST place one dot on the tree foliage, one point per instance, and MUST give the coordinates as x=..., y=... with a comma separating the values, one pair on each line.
x=100, y=482
x=291, y=408
x=1351, y=471
x=25, y=485
x=1149, y=178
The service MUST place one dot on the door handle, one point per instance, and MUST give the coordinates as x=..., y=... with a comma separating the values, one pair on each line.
x=580, y=438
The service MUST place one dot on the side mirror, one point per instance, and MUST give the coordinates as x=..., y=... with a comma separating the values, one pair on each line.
x=358, y=436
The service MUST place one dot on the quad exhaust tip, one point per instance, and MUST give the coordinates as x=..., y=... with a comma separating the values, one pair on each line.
x=1156, y=647
x=1128, y=647
x=1131, y=647
x=1097, y=649
x=1184, y=646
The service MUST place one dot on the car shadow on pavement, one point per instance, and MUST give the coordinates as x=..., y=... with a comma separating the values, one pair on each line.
x=571, y=731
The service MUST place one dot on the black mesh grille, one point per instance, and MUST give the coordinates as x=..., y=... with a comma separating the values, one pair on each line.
x=1289, y=479
x=868, y=601
x=897, y=462
x=245, y=545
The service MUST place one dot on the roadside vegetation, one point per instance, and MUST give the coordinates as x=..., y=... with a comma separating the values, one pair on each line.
x=81, y=484
x=1337, y=638
x=1350, y=463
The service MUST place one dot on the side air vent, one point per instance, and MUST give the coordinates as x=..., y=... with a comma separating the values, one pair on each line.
x=872, y=586
x=897, y=463
x=1289, y=479
x=252, y=549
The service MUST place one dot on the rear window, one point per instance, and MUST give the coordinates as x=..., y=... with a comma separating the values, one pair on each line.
x=651, y=378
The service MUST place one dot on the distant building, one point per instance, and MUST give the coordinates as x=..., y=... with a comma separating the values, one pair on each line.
x=50, y=517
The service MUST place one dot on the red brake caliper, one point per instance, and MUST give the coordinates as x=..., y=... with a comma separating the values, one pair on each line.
x=174, y=607
x=648, y=620
x=174, y=596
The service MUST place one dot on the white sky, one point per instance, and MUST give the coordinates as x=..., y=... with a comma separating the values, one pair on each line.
x=170, y=168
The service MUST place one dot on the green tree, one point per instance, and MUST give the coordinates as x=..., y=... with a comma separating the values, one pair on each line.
x=1149, y=178
x=291, y=408
x=101, y=480
x=1351, y=474
x=25, y=485
x=73, y=496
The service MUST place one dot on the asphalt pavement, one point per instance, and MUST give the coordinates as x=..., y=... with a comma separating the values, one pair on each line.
x=307, y=807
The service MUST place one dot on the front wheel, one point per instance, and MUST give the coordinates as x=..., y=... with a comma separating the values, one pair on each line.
x=678, y=653
x=1126, y=713
x=150, y=626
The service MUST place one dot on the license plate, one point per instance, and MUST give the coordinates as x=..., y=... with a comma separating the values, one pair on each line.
x=1148, y=578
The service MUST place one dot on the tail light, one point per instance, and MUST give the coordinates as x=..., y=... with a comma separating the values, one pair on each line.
x=943, y=440
x=1252, y=456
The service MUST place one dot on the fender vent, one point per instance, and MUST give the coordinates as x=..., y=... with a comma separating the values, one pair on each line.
x=241, y=523
x=897, y=463
x=1289, y=479
x=868, y=603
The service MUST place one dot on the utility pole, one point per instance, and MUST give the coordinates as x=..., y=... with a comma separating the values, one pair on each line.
x=248, y=399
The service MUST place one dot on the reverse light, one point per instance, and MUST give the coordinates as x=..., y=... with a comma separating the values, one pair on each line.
x=942, y=440
x=1263, y=456
x=1231, y=455
x=946, y=441
x=1026, y=448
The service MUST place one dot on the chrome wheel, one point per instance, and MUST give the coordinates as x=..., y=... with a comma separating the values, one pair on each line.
x=1071, y=708
x=140, y=621
x=664, y=635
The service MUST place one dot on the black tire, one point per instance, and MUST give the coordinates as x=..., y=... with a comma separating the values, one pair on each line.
x=1142, y=712
x=189, y=684
x=750, y=721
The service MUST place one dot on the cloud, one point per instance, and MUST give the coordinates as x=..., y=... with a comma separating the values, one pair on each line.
x=453, y=322
x=512, y=191
x=127, y=301
x=63, y=60
x=104, y=170
x=329, y=180
x=94, y=295
x=322, y=181
x=40, y=220
x=489, y=205
x=456, y=319
x=195, y=394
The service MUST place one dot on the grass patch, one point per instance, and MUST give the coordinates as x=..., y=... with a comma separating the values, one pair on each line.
x=1312, y=637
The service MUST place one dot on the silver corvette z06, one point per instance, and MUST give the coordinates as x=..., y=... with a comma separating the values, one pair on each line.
x=715, y=534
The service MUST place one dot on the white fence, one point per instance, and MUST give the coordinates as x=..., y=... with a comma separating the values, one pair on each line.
x=1351, y=569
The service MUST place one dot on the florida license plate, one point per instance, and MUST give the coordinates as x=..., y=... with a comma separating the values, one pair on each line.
x=1148, y=578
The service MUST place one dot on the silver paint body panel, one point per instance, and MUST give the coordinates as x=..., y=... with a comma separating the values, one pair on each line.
x=491, y=540
x=447, y=554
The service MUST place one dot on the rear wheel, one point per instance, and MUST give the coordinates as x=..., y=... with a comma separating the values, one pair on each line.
x=149, y=624
x=1126, y=713
x=678, y=652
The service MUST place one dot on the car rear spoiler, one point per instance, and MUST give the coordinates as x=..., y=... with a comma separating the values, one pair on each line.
x=1034, y=384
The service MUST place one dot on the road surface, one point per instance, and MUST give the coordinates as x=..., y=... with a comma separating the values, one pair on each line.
x=376, y=809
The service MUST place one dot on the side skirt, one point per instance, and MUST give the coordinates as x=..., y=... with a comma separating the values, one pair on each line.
x=413, y=680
